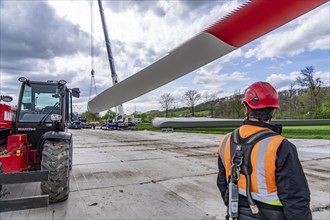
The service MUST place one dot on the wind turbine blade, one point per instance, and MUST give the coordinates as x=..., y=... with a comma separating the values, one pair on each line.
x=193, y=54
x=244, y=25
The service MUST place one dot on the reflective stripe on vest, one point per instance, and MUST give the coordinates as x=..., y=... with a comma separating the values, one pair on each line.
x=222, y=148
x=263, y=160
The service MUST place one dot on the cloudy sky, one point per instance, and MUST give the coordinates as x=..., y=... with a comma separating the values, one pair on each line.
x=44, y=40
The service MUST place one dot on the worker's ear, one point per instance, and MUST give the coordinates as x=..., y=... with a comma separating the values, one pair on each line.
x=246, y=111
x=273, y=112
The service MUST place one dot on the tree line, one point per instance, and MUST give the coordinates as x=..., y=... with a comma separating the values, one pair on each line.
x=306, y=97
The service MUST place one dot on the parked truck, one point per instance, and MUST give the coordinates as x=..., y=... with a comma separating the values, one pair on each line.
x=119, y=122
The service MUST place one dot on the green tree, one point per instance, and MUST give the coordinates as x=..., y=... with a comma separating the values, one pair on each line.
x=323, y=112
x=143, y=116
x=108, y=115
x=166, y=101
x=236, y=106
x=90, y=116
x=190, y=98
x=212, y=100
x=313, y=84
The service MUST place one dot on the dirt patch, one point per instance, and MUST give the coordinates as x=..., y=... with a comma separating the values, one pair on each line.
x=123, y=174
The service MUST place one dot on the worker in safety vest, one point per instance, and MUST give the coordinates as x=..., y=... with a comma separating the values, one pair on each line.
x=277, y=183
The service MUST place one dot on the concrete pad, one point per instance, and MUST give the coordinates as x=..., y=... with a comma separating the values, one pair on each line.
x=201, y=192
x=103, y=175
x=143, y=201
x=157, y=175
x=312, y=149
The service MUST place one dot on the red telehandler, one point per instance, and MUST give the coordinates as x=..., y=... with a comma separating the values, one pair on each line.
x=34, y=143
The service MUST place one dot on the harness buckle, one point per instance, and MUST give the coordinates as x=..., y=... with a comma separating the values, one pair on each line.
x=236, y=162
x=254, y=209
x=238, y=156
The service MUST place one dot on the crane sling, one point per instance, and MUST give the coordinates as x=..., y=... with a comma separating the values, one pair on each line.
x=240, y=149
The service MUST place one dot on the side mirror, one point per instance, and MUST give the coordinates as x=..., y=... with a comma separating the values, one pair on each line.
x=75, y=92
x=6, y=98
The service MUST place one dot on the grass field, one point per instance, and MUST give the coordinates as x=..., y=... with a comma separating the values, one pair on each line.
x=307, y=132
x=296, y=132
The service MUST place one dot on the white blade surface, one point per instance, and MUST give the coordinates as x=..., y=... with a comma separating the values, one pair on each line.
x=193, y=54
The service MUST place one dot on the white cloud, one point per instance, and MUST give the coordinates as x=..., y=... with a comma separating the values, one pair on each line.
x=323, y=43
x=324, y=76
x=282, y=81
x=219, y=80
x=309, y=32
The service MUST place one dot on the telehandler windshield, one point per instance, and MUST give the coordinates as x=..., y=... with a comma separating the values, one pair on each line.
x=39, y=101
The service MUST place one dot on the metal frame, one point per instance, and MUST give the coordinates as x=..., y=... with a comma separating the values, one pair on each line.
x=30, y=202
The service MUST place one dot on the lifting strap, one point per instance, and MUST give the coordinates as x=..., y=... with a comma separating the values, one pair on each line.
x=240, y=149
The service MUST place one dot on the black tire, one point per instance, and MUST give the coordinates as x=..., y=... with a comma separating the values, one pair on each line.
x=71, y=154
x=56, y=159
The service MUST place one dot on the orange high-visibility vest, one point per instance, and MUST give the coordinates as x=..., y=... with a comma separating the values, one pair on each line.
x=263, y=161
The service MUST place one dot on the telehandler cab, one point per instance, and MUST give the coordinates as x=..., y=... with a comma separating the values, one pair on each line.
x=34, y=143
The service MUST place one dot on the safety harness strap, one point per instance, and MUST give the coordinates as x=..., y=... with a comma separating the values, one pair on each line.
x=240, y=150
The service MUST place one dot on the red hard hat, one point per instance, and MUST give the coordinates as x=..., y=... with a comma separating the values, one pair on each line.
x=261, y=95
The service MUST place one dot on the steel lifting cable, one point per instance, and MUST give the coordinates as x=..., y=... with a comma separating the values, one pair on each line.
x=92, y=54
x=92, y=38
